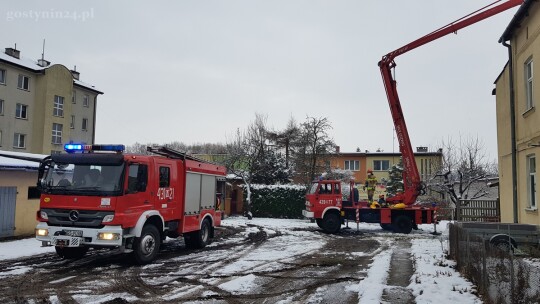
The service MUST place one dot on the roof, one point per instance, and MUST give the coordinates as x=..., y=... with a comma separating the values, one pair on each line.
x=515, y=23
x=7, y=163
x=33, y=66
x=375, y=154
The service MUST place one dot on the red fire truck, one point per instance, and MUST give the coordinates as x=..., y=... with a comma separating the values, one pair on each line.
x=97, y=196
x=325, y=202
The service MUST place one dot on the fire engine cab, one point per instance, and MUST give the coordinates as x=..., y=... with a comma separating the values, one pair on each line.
x=97, y=196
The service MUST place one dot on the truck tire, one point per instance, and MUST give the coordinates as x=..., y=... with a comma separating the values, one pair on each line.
x=146, y=247
x=402, y=224
x=331, y=222
x=320, y=223
x=387, y=227
x=71, y=252
x=199, y=239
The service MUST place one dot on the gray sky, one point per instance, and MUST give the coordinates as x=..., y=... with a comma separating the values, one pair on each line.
x=195, y=71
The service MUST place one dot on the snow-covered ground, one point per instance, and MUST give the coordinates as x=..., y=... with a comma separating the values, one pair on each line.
x=434, y=279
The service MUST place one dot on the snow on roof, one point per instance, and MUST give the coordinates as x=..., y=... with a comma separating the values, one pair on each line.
x=33, y=65
x=24, y=62
x=7, y=163
x=86, y=85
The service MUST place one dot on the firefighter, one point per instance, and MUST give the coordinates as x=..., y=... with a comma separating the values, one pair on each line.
x=371, y=183
x=382, y=201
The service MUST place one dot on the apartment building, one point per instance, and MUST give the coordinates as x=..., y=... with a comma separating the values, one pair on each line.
x=518, y=124
x=43, y=105
x=380, y=162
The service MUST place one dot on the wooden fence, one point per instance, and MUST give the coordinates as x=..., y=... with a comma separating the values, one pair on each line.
x=479, y=211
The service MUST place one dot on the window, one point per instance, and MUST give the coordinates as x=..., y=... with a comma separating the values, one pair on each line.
x=531, y=181
x=72, y=123
x=85, y=124
x=86, y=100
x=0, y=138
x=2, y=76
x=57, y=134
x=33, y=193
x=353, y=165
x=529, y=84
x=74, y=97
x=164, y=177
x=381, y=165
x=137, y=178
x=1, y=107
x=19, y=141
x=23, y=83
x=21, y=111
x=58, y=109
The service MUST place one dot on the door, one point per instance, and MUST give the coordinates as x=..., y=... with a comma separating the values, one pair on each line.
x=8, y=198
x=168, y=189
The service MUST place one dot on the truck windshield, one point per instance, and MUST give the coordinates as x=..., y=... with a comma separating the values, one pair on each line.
x=83, y=179
x=313, y=188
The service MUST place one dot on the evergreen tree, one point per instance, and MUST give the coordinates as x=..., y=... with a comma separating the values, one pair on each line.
x=395, y=182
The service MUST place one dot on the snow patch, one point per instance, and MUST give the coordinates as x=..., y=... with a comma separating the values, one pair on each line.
x=239, y=285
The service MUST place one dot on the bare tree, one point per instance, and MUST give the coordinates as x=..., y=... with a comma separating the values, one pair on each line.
x=244, y=152
x=464, y=171
x=313, y=149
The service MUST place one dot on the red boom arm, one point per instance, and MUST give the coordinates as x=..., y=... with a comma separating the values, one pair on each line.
x=411, y=179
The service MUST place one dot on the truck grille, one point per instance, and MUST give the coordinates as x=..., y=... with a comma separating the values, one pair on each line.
x=76, y=218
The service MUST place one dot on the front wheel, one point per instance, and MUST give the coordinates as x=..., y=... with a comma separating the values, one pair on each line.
x=71, y=252
x=146, y=246
x=331, y=222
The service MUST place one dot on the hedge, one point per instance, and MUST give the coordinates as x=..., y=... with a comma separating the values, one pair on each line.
x=277, y=201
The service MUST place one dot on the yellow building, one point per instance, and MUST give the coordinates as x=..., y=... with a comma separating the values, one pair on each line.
x=19, y=197
x=518, y=124
x=43, y=106
x=380, y=162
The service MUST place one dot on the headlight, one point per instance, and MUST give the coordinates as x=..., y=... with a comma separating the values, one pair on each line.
x=42, y=232
x=43, y=215
x=108, y=218
x=107, y=236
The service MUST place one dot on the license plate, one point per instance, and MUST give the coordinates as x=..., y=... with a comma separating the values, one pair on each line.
x=74, y=233
x=61, y=242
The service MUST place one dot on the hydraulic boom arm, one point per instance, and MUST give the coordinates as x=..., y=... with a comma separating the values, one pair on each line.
x=411, y=179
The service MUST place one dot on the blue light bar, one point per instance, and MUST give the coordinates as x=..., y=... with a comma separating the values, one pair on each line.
x=71, y=148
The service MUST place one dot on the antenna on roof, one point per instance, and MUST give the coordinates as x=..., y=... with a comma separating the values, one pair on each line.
x=75, y=68
x=43, y=53
x=15, y=45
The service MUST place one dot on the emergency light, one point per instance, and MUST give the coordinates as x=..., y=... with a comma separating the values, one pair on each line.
x=71, y=148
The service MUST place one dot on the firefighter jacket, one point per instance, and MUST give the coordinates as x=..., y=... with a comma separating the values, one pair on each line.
x=371, y=182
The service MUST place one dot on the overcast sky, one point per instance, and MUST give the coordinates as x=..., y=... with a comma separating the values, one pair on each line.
x=195, y=71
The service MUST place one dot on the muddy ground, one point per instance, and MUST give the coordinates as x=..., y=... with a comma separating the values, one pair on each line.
x=182, y=276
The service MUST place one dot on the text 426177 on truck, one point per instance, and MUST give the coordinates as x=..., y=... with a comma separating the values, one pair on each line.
x=97, y=196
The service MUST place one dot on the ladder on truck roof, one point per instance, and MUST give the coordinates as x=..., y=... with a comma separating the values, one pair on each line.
x=171, y=153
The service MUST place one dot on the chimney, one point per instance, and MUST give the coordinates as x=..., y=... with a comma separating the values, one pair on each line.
x=421, y=149
x=43, y=63
x=337, y=149
x=13, y=53
x=75, y=73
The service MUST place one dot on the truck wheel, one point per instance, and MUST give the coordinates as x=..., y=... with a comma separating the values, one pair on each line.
x=387, y=227
x=71, y=252
x=146, y=247
x=320, y=223
x=331, y=222
x=402, y=224
x=199, y=239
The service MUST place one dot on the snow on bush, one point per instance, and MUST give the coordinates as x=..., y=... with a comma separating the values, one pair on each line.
x=278, y=201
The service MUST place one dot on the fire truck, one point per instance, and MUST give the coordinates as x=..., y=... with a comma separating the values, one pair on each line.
x=325, y=201
x=96, y=196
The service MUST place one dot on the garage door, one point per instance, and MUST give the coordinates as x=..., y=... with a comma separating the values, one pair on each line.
x=8, y=196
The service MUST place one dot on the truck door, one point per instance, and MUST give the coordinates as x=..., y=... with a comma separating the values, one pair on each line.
x=328, y=194
x=167, y=198
x=138, y=193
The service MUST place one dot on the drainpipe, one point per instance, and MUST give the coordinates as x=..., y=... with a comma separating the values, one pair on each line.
x=513, y=130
